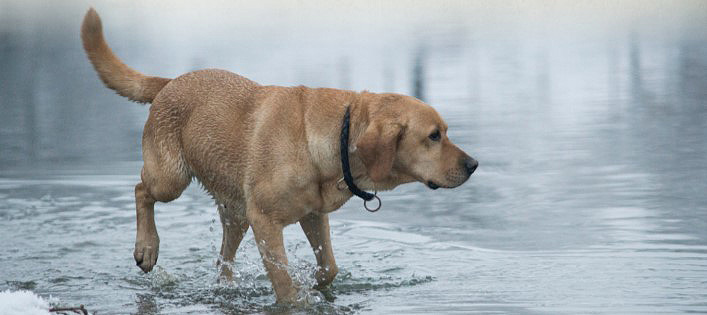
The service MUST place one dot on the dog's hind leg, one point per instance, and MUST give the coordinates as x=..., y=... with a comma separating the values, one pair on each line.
x=235, y=225
x=316, y=228
x=163, y=179
x=147, y=243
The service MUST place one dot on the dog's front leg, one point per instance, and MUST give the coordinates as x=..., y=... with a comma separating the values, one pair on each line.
x=316, y=228
x=268, y=237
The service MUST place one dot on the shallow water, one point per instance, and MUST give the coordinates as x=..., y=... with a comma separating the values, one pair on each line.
x=591, y=136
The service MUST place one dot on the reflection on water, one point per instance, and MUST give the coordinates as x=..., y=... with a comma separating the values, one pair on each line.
x=589, y=128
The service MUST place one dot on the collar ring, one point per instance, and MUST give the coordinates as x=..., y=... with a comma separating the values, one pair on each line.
x=380, y=203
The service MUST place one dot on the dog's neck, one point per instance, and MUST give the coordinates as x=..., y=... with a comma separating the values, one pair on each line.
x=362, y=107
x=344, y=155
x=334, y=190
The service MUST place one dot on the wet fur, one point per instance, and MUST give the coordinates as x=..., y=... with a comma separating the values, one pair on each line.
x=269, y=155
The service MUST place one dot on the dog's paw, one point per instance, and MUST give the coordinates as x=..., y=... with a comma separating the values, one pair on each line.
x=226, y=274
x=307, y=297
x=146, y=252
x=325, y=276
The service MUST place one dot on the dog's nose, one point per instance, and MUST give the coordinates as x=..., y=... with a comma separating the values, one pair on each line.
x=470, y=164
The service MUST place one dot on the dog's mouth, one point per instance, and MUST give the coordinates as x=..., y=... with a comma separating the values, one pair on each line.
x=432, y=185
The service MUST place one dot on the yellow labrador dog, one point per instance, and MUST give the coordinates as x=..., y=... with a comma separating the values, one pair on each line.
x=271, y=156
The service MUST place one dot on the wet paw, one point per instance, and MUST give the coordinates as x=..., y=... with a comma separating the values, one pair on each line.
x=146, y=252
x=325, y=276
x=307, y=297
x=226, y=275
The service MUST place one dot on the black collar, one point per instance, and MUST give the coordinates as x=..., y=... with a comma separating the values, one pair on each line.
x=366, y=196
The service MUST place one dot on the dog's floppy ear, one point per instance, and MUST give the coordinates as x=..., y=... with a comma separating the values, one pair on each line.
x=377, y=148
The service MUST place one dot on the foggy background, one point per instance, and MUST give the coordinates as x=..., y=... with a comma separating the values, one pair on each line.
x=589, y=120
x=515, y=55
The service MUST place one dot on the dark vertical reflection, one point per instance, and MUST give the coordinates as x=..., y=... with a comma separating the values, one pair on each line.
x=635, y=71
x=19, y=61
x=613, y=55
x=418, y=73
x=692, y=67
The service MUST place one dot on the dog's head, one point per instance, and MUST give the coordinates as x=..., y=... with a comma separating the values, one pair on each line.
x=406, y=140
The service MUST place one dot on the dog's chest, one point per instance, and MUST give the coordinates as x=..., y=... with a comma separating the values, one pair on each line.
x=333, y=197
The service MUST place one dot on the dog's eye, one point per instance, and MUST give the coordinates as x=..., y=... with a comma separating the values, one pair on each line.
x=435, y=136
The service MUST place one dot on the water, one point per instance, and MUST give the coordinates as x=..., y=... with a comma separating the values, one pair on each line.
x=589, y=122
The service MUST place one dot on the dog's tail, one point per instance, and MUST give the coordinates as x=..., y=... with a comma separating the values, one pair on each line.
x=114, y=73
